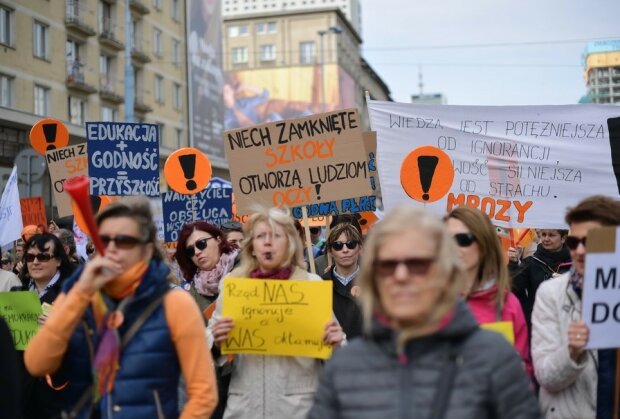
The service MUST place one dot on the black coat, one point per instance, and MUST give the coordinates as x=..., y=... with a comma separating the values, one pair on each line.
x=345, y=306
x=9, y=392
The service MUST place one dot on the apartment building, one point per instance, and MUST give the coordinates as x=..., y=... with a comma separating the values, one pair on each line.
x=602, y=71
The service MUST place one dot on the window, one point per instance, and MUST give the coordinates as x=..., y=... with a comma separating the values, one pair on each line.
x=41, y=100
x=157, y=35
x=6, y=26
x=108, y=114
x=239, y=55
x=77, y=110
x=105, y=18
x=267, y=52
x=157, y=4
x=6, y=90
x=106, y=72
x=40, y=40
x=179, y=137
x=175, y=9
x=176, y=96
x=233, y=31
x=243, y=30
x=271, y=27
x=159, y=89
x=307, y=52
x=75, y=65
x=176, y=53
x=261, y=28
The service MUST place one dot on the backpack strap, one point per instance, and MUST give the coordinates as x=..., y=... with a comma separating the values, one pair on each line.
x=446, y=380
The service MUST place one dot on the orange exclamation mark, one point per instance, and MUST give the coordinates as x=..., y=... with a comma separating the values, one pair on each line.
x=188, y=164
x=426, y=167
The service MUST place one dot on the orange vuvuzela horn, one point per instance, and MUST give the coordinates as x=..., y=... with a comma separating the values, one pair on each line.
x=78, y=188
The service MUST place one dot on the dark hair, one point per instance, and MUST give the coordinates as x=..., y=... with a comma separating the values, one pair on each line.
x=188, y=268
x=229, y=226
x=39, y=241
x=599, y=208
x=352, y=219
x=67, y=239
x=349, y=231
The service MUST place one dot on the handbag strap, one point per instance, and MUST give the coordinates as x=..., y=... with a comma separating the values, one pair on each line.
x=446, y=380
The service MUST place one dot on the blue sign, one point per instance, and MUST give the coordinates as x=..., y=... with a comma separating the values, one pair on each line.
x=212, y=204
x=345, y=206
x=123, y=158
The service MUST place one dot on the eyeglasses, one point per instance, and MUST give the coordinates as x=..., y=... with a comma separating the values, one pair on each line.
x=199, y=244
x=464, y=239
x=121, y=241
x=572, y=242
x=415, y=266
x=351, y=244
x=41, y=257
x=232, y=226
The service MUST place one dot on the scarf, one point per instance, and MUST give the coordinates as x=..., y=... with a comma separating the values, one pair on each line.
x=207, y=282
x=108, y=351
x=282, y=273
x=576, y=281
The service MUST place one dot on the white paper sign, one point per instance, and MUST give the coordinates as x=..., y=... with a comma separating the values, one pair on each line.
x=10, y=211
x=522, y=165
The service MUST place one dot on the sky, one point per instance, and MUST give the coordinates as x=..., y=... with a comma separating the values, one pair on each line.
x=538, y=63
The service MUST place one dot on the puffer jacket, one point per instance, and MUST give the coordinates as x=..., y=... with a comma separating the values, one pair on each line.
x=368, y=379
x=567, y=388
x=267, y=386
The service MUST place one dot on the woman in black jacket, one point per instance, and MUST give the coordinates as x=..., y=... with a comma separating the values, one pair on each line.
x=423, y=353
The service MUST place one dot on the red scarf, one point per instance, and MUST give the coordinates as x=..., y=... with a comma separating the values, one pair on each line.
x=282, y=273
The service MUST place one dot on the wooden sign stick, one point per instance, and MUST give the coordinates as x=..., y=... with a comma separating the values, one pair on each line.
x=304, y=212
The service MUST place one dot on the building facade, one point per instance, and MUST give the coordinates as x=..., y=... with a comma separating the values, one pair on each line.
x=601, y=61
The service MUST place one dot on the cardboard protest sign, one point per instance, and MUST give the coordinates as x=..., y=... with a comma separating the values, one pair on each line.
x=187, y=171
x=123, y=158
x=516, y=163
x=349, y=205
x=601, y=288
x=298, y=161
x=21, y=310
x=33, y=211
x=65, y=163
x=48, y=134
x=277, y=317
x=212, y=204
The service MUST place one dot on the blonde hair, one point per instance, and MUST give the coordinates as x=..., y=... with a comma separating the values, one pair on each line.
x=447, y=271
x=491, y=263
x=274, y=217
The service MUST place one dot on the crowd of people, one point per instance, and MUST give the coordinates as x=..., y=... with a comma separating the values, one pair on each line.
x=132, y=331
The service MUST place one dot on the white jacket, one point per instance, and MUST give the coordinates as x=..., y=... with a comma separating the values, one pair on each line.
x=270, y=387
x=567, y=388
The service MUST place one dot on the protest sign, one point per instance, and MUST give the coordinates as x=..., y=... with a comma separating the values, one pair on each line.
x=212, y=204
x=601, y=288
x=65, y=163
x=10, y=211
x=277, y=317
x=33, y=211
x=21, y=310
x=519, y=164
x=123, y=158
x=187, y=171
x=48, y=134
x=506, y=329
x=298, y=161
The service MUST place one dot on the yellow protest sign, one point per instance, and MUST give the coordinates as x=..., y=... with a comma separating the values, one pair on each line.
x=276, y=317
x=506, y=329
x=21, y=311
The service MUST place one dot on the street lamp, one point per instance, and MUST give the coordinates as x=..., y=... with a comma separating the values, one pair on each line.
x=331, y=29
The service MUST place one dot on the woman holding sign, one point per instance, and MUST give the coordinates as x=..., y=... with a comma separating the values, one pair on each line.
x=269, y=386
x=487, y=282
x=423, y=353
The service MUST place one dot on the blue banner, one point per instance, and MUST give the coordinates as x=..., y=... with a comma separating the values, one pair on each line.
x=212, y=204
x=123, y=158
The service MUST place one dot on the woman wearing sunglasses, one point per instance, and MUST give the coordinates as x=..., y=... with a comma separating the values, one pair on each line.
x=204, y=256
x=344, y=244
x=487, y=282
x=119, y=332
x=423, y=353
x=269, y=386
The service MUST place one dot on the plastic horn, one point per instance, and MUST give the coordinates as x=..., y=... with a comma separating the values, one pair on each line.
x=78, y=188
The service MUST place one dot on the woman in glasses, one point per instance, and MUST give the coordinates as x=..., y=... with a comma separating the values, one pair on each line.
x=344, y=244
x=268, y=386
x=121, y=335
x=204, y=256
x=487, y=282
x=423, y=353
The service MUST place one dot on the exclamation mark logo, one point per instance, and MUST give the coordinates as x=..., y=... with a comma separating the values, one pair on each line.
x=318, y=191
x=427, y=166
x=613, y=124
x=49, y=132
x=188, y=164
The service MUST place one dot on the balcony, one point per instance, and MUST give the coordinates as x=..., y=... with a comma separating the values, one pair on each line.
x=75, y=18
x=76, y=79
x=108, y=90
x=107, y=37
x=139, y=6
x=138, y=53
x=139, y=104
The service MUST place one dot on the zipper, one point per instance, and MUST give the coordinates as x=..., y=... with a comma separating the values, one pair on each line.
x=405, y=385
x=160, y=410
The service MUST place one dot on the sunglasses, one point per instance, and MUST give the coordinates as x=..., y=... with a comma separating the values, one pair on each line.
x=572, y=242
x=41, y=257
x=415, y=266
x=199, y=244
x=351, y=244
x=464, y=239
x=121, y=241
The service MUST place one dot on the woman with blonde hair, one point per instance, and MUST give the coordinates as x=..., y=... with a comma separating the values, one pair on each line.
x=487, y=282
x=269, y=386
x=423, y=353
